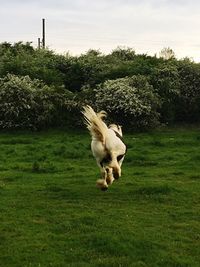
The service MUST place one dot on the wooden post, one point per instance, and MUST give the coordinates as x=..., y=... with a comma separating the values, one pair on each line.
x=43, y=33
x=39, y=43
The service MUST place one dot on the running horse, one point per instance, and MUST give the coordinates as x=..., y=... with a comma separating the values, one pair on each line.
x=107, y=146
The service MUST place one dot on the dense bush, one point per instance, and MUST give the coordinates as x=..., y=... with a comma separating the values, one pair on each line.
x=165, y=80
x=188, y=104
x=130, y=101
x=26, y=103
x=54, y=87
x=22, y=60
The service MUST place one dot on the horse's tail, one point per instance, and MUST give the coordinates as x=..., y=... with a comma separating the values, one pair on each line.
x=95, y=124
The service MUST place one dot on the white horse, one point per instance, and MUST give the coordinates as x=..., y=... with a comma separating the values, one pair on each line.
x=107, y=146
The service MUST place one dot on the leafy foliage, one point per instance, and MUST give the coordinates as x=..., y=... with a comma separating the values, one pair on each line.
x=131, y=101
x=67, y=82
x=123, y=53
x=22, y=59
x=165, y=80
x=188, y=105
x=26, y=103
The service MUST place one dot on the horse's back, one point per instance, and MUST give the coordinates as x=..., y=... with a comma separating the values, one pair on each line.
x=114, y=143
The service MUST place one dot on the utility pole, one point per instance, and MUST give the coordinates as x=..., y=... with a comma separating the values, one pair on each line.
x=43, y=33
x=39, y=43
x=42, y=43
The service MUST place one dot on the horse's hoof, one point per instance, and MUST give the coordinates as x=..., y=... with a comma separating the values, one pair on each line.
x=101, y=183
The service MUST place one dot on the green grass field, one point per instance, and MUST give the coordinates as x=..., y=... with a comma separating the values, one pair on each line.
x=52, y=214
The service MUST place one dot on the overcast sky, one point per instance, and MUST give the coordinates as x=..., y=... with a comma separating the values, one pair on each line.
x=78, y=25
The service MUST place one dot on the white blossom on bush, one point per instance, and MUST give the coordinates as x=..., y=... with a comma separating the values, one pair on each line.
x=26, y=103
x=130, y=100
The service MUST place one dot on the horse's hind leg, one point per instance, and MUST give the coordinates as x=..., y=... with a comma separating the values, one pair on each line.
x=102, y=183
x=109, y=178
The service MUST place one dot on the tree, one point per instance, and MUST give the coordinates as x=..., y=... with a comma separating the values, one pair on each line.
x=23, y=59
x=165, y=80
x=123, y=53
x=167, y=53
x=188, y=106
